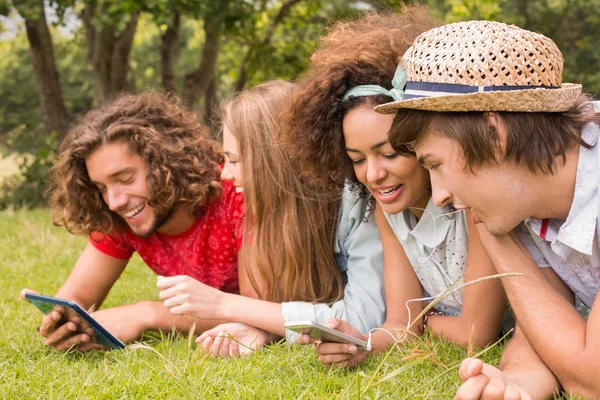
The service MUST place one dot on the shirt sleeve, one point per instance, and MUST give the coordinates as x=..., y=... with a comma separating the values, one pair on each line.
x=525, y=235
x=358, y=242
x=114, y=245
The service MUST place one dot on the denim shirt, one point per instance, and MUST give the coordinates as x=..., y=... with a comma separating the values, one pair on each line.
x=359, y=254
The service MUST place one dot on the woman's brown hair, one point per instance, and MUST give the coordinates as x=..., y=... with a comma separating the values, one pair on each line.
x=534, y=140
x=361, y=52
x=290, y=224
x=183, y=160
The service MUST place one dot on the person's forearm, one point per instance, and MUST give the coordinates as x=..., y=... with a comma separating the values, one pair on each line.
x=381, y=340
x=550, y=322
x=160, y=318
x=525, y=368
x=460, y=331
x=262, y=314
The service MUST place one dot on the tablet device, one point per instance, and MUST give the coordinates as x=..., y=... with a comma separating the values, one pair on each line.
x=46, y=304
x=323, y=333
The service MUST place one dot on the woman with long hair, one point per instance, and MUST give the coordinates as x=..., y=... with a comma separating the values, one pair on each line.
x=307, y=253
x=427, y=249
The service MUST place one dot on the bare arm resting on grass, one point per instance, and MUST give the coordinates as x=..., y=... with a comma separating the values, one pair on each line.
x=483, y=303
x=561, y=343
x=88, y=284
x=363, y=303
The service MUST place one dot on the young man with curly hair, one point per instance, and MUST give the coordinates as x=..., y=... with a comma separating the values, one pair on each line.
x=141, y=174
x=486, y=112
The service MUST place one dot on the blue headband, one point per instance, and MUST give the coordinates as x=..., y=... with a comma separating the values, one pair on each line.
x=396, y=92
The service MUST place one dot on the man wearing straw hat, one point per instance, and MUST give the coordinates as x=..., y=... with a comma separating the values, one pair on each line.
x=485, y=110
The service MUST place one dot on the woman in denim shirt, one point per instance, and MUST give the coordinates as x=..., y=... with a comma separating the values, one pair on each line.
x=295, y=274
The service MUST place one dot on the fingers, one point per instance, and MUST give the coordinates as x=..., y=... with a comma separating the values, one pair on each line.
x=61, y=333
x=469, y=368
x=25, y=291
x=172, y=291
x=336, y=353
x=473, y=388
x=176, y=300
x=72, y=342
x=51, y=321
x=335, y=348
x=494, y=390
x=166, y=282
x=305, y=339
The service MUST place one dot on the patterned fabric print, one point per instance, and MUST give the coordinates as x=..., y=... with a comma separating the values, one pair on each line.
x=571, y=247
x=207, y=251
x=449, y=239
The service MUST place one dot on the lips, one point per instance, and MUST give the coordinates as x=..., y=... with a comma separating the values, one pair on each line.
x=134, y=212
x=387, y=194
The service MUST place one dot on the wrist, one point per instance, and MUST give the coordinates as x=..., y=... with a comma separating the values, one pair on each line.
x=225, y=306
x=152, y=315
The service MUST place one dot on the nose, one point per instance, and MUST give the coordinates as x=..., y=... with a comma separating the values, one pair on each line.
x=115, y=198
x=226, y=173
x=375, y=172
x=440, y=195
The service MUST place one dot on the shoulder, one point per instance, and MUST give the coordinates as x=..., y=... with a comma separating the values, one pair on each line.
x=355, y=210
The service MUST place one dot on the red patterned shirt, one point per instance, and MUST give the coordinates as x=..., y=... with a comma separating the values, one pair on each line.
x=207, y=251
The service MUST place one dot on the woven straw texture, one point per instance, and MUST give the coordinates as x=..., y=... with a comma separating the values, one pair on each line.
x=487, y=53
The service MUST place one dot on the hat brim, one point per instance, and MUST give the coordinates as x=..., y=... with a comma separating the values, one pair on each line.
x=527, y=100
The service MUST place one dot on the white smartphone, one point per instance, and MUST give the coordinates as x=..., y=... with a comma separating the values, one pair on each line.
x=323, y=333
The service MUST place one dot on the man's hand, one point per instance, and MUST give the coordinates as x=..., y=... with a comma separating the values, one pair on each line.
x=482, y=381
x=233, y=340
x=185, y=295
x=62, y=328
x=340, y=354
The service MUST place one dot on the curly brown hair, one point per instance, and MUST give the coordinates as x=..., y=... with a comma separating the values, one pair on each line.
x=183, y=161
x=361, y=52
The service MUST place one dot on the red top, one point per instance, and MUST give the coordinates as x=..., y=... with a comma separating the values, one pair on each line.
x=207, y=251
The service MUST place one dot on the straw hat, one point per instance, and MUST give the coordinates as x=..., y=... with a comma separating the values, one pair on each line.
x=484, y=66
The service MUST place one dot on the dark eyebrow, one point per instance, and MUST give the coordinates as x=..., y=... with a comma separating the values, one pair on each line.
x=376, y=145
x=229, y=154
x=423, y=159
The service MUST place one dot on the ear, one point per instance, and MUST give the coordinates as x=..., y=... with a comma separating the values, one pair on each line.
x=496, y=122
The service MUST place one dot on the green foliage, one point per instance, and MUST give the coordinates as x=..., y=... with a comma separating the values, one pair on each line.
x=27, y=188
x=572, y=25
x=248, y=43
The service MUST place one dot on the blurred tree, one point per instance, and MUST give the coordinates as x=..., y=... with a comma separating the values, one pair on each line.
x=54, y=113
x=571, y=24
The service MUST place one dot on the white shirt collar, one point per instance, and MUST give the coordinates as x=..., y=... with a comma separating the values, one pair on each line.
x=425, y=231
x=578, y=230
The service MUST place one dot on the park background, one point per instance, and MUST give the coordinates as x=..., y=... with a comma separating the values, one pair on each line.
x=60, y=58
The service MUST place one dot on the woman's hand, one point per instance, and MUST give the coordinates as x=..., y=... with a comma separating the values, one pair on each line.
x=233, y=340
x=341, y=354
x=185, y=295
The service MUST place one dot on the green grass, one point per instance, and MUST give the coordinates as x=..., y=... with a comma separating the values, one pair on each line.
x=37, y=255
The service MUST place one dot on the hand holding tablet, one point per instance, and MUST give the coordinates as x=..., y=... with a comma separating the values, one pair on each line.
x=46, y=304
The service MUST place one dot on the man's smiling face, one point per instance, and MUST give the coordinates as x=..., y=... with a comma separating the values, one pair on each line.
x=120, y=176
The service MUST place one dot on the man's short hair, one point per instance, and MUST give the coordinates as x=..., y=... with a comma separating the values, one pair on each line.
x=533, y=139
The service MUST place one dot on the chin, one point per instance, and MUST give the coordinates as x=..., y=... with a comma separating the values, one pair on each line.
x=497, y=229
x=393, y=208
